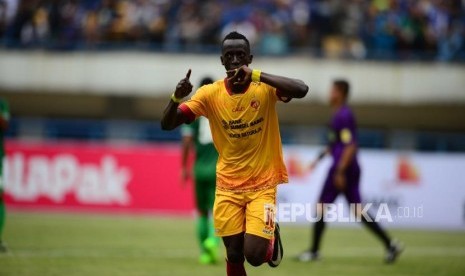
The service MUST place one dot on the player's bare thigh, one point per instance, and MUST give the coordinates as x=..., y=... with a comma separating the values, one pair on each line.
x=252, y=247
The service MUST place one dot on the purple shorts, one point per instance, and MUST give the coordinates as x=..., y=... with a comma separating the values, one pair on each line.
x=352, y=192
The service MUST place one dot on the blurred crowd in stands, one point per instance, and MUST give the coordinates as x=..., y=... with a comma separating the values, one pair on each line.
x=380, y=29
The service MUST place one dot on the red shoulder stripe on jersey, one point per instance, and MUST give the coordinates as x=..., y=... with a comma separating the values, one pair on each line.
x=187, y=112
x=282, y=98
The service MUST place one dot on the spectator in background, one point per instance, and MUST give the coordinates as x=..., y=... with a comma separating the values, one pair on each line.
x=274, y=40
x=23, y=17
x=3, y=8
x=189, y=23
x=386, y=18
x=385, y=29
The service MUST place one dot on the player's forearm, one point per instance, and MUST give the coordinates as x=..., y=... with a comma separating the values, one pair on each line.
x=288, y=87
x=347, y=157
x=172, y=118
x=322, y=155
x=3, y=124
x=186, y=146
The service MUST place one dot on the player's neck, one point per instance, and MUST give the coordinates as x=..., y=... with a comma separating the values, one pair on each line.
x=337, y=106
x=237, y=89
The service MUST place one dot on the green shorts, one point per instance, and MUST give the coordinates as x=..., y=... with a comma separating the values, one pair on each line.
x=205, y=185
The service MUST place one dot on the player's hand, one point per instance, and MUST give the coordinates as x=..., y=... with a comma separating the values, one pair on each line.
x=312, y=166
x=184, y=87
x=240, y=76
x=185, y=176
x=340, y=181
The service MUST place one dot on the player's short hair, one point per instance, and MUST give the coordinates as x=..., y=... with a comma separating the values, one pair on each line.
x=205, y=81
x=236, y=35
x=343, y=86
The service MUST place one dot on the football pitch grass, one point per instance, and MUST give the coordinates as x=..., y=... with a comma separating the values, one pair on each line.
x=70, y=244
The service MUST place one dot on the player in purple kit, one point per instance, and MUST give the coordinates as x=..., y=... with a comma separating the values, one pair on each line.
x=344, y=175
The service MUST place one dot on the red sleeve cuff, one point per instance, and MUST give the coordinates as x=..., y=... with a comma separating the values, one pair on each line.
x=282, y=98
x=187, y=112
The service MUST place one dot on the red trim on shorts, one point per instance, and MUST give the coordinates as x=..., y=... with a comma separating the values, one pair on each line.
x=187, y=112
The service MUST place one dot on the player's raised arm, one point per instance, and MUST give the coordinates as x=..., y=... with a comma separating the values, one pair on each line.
x=287, y=87
x=172, y=116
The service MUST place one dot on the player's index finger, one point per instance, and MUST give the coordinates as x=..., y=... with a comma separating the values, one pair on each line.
x=188, y=75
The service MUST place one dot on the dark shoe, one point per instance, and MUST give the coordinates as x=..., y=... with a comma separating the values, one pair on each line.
x=278, y=251
x=393, y=252
x=308, y=256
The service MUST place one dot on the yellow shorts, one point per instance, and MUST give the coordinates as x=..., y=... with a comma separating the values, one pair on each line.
x=250, y=212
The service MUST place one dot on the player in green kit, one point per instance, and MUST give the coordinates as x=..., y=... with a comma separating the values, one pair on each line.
x=4, y=119
x=199, y=134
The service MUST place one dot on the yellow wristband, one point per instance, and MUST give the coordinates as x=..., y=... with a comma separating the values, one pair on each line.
x=256, y=75
x=174, y=99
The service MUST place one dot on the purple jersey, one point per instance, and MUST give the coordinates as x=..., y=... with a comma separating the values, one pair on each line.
x=343, y=132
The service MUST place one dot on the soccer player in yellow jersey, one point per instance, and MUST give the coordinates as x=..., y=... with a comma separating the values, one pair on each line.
x=245, y=130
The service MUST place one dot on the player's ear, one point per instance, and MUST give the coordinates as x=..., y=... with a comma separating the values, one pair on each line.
x=222, y=60
x=250, y=59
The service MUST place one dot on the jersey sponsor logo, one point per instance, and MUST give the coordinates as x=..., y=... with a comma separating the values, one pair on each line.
x=239, y=124
x=238, y=109
x=225, y=124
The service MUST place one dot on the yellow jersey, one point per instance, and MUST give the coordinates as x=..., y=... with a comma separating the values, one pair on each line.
x=245, y=132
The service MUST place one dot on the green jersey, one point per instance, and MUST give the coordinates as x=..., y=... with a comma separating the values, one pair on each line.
x=5, y=115
x=206, y=154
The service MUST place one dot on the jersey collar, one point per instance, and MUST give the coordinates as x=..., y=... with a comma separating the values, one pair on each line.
x=229, y=90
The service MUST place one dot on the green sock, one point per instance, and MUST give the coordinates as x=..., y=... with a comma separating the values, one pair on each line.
x=2, y=214
x=202, y=230
x=211, y=232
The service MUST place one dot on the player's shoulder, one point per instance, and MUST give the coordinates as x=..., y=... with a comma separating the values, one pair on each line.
x=343, y=115
x=211, y=88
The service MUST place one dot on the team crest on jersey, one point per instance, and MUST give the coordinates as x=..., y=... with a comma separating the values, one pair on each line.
x=255, y=104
